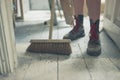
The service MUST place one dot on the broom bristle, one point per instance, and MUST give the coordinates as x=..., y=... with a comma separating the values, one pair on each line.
x=50, y=46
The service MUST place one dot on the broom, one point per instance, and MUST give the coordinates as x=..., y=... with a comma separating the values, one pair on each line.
x=55, y=46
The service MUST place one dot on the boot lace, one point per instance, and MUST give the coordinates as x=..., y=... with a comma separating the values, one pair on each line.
x=94, y=36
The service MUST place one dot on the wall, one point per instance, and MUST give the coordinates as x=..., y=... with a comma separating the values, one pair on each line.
x=8, y=57
x=26, y=6
x=112, y=20
x=39, y=4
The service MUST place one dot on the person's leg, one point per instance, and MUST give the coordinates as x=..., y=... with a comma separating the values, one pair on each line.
x=94, y=47
x=94, y=9
x=78, y=7
x=77, y=30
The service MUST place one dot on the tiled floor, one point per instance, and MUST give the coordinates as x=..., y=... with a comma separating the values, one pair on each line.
x=77, y=66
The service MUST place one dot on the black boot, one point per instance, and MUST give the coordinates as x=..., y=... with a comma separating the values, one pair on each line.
x=94, y=46
x=77, y=31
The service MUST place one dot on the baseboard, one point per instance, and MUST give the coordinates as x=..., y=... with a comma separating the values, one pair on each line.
x=113, y=31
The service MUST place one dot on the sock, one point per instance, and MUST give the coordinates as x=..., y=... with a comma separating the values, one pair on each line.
x=79, y=18
x=78, y=23
x=96, y=23
x=94, y=29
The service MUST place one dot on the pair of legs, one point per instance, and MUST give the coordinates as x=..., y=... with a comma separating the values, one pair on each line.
x=94, y=48
x=93, y=8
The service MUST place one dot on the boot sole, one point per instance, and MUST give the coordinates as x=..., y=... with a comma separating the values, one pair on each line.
x=75, y=37
x=80, y=36
x=94, y=53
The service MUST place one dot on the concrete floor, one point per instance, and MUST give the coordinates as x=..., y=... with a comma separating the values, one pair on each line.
x=77, y=66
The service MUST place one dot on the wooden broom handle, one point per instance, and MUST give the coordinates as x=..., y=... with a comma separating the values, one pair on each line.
x=52, y=19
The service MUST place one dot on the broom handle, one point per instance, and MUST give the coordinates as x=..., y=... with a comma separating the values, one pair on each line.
x=52, y=19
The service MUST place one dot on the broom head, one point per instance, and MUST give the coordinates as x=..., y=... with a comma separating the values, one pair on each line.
x=54, y=46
